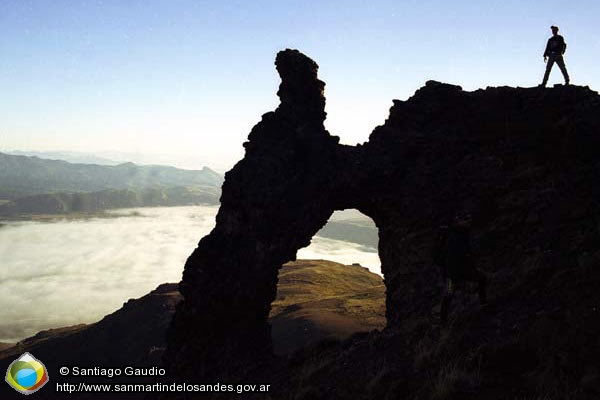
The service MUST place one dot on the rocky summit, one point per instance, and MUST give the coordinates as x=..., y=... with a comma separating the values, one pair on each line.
x=523, y=161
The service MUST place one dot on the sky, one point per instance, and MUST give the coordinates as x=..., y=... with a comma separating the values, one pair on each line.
x=185, y=81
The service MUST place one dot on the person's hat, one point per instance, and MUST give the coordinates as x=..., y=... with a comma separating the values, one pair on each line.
x=554, y=28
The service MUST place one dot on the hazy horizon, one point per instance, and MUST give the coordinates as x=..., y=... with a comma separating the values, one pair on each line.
x=116, y=157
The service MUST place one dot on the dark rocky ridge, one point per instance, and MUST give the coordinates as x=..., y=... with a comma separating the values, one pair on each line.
x=523, y=161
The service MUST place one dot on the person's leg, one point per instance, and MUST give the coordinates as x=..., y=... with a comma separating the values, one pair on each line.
x=475, y=275
x=445, y=310
x=482, y=287
x=561, y=64
x=549, y=64
x=446, y=302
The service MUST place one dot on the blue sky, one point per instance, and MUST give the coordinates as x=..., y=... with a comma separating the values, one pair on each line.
x=188, y=79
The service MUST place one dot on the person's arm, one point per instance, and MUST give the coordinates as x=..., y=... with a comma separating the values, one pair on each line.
x=547, y=51
x=564, y=45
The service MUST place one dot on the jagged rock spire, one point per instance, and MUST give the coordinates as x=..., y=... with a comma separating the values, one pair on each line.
x=300, y=91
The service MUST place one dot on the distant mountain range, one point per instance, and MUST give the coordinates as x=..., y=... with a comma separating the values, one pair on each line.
x=196, y=160
x=69, y=156
x=94, y=202
x=25, y=176
x=32, y=185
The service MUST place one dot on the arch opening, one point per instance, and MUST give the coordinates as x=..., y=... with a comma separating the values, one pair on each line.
x=333, y=289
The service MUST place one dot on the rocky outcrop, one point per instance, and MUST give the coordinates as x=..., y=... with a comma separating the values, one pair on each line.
x=523, y=161
x=272, y=203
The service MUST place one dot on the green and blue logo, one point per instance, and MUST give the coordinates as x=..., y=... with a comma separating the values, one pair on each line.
x=27, y=374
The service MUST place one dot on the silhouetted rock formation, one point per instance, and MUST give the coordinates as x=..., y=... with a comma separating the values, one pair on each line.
x=523, y=161
x=272, y=203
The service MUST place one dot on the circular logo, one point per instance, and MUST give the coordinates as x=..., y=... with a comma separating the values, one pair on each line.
x=27, y=374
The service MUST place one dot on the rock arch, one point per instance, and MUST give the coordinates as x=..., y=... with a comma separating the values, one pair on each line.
x=427, y=160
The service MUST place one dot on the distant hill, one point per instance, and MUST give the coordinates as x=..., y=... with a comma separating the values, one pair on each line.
x=316, y=300
x=194, y=160
x=69, y=156
x=22, y=176
x=94, y=202
x=357, y=228
x=319, y=299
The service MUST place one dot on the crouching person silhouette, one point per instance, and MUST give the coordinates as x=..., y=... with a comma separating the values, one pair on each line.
x=459, y=265
x=555, y=48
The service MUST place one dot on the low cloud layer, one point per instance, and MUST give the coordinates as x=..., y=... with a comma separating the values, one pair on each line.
x=69, y=272
x=343, y=252
x=64, y=273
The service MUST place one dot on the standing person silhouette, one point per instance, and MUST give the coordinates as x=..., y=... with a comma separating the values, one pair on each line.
x=459, y=264
x=555, y=48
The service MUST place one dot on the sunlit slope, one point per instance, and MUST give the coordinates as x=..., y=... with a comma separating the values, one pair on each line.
x=317, y=299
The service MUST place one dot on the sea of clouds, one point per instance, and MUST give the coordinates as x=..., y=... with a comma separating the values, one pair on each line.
x=61, y=273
